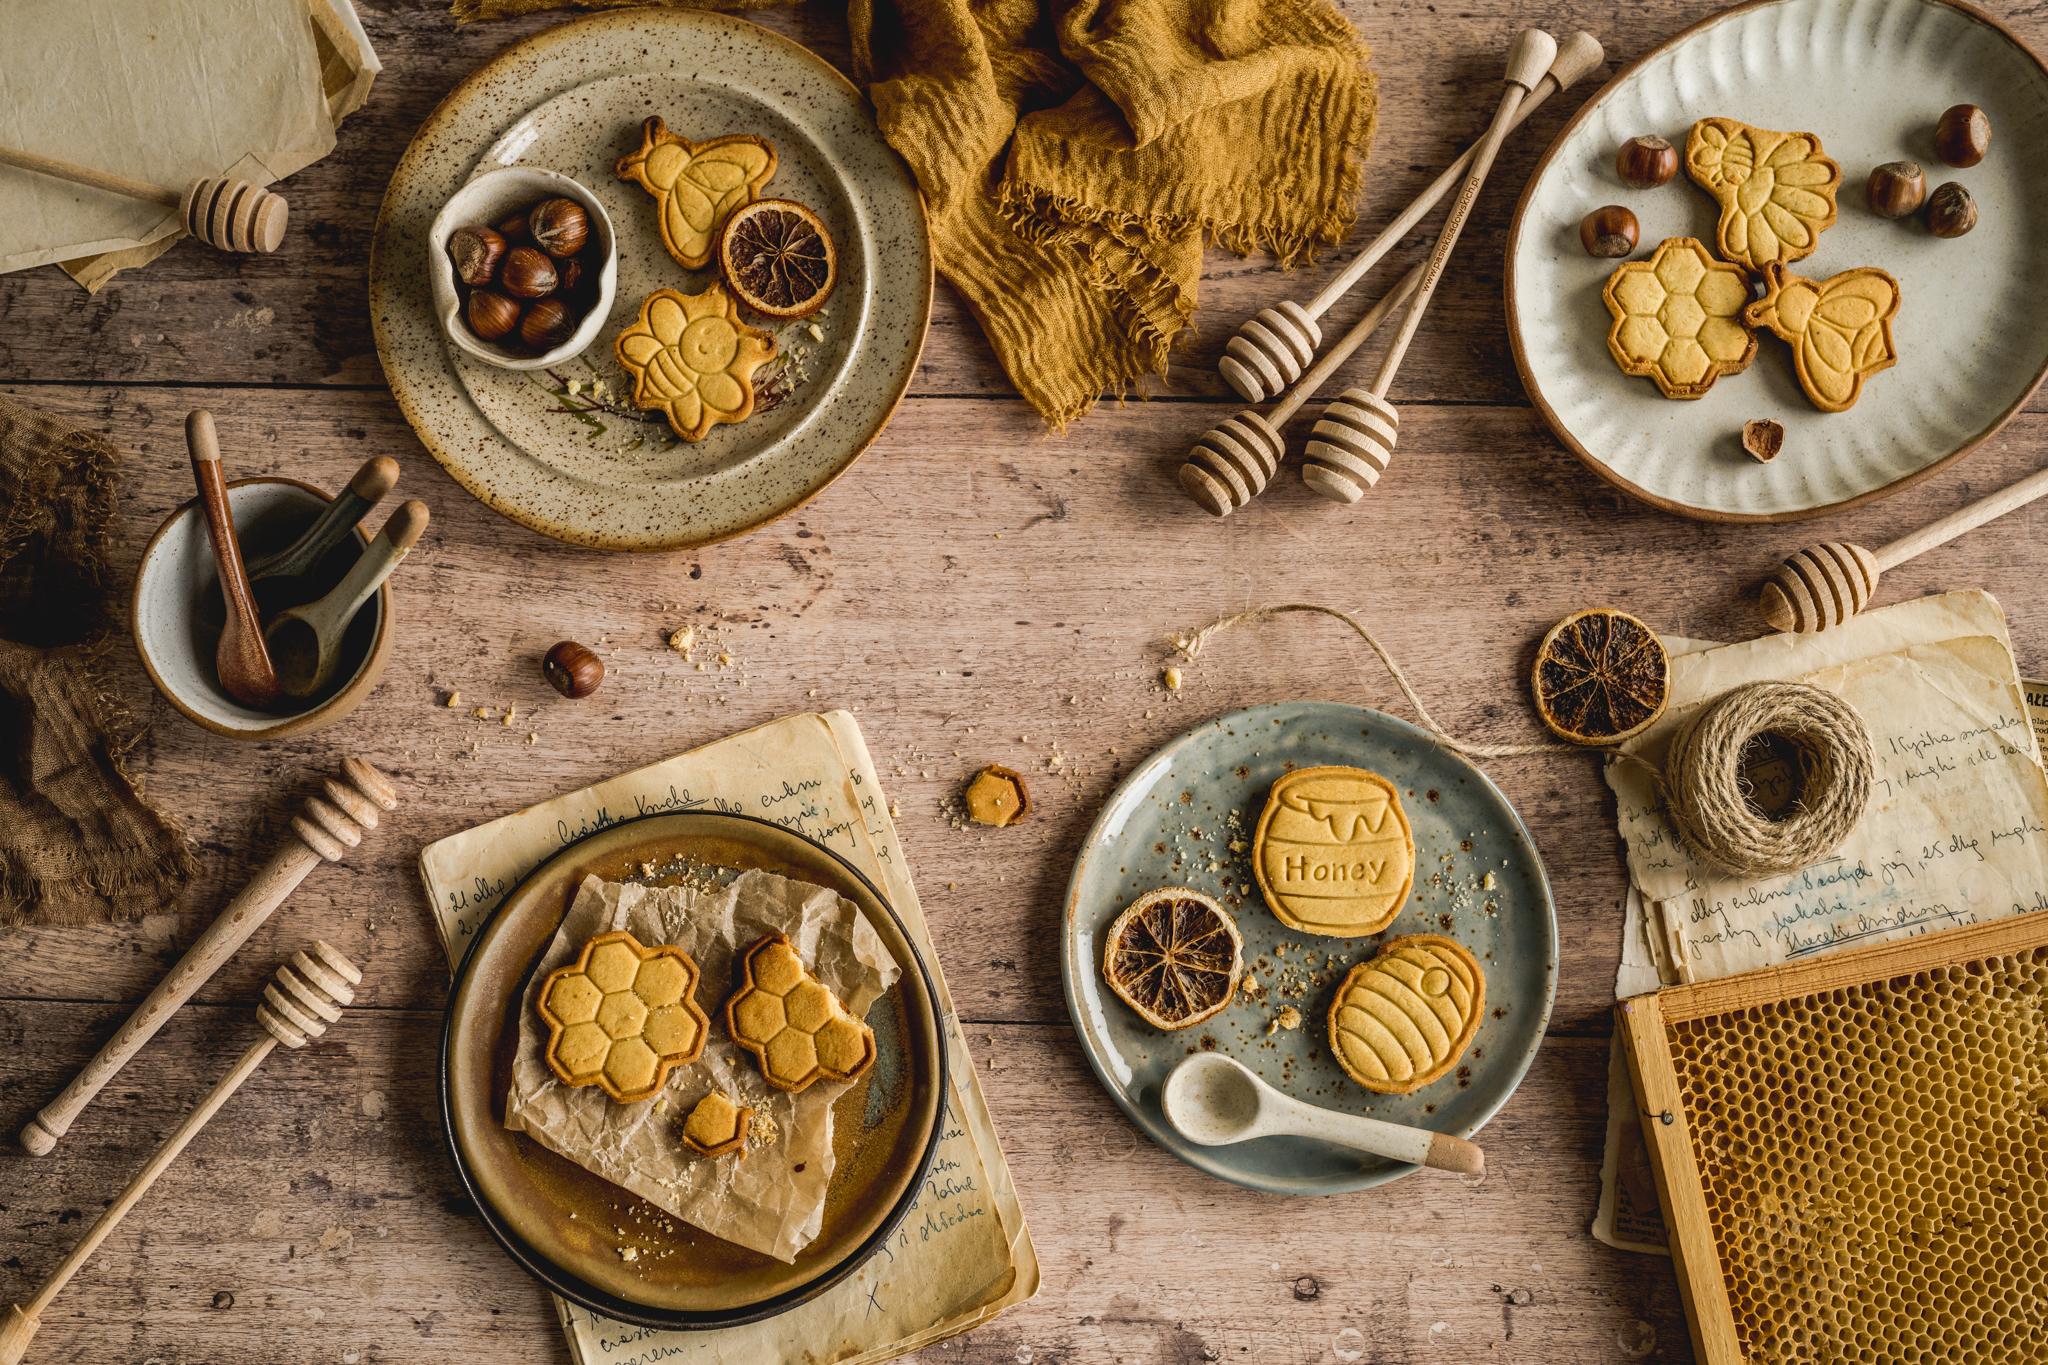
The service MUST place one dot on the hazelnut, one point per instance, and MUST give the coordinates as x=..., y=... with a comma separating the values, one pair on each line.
x=1763, y=439
x=573, y=670
x=1646, y=162
x=1896, y=189
x=546, y=324
x=476, y=252
x=1608, y=232
x=527, y=273
x=559, y=227
x=491, y=315
x=1951, y=211
x=568, y=274
x=512, y=227
x=1962, y=135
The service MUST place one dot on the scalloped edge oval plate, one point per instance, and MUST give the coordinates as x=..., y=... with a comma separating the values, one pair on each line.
x=1173, y=822
x=1972, y=342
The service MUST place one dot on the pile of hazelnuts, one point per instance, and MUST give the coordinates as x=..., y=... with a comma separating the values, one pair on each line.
x=526, y=277
x=1897, y=189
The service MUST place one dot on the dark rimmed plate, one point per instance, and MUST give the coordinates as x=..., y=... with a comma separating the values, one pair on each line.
x=886, y=1126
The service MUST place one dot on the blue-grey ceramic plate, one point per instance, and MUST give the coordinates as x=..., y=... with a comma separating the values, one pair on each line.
x=1185, y=818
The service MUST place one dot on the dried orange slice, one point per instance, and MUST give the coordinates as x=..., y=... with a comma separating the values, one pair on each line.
x=1601, y=676
x=1174, y=956
x=778, y=257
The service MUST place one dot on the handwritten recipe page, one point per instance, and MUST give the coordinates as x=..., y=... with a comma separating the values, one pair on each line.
x=963, y=1253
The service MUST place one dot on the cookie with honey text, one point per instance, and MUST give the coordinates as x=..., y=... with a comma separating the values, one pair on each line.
x=1333, y=853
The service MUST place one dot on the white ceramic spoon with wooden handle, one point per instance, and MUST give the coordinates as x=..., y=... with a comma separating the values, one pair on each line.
x=222, y=212
x=1824, y=585
x=325, y=829
x=1355, y=437
x=307, y=994
x=1272, y=346
x=1214, y=1100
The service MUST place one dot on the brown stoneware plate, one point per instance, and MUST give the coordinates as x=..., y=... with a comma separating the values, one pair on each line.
x=557, y=1219
x=562, y=449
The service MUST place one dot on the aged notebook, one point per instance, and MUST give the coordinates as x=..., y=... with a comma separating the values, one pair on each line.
x=963, y=1254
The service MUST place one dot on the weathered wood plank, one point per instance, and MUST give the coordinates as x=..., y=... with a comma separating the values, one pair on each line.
x=974, y=592
x=317, y=1220
x=302, y=316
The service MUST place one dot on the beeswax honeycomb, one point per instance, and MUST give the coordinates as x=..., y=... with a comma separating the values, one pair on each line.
x=1875, y=1166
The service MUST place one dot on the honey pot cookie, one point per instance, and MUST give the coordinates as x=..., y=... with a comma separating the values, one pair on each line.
x=1333, y=852
x=1404, y=1019
x=692, y=359
x=1776, y=190
x=1840, y=329
x=696, y=185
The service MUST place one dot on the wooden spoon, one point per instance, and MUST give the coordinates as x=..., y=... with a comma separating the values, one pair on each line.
x=376, y=478
x=244, y=666
x=306, y=641
x=1215, y=1100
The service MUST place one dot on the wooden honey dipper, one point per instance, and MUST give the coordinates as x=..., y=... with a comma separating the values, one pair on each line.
x=231, y=214
x=307, y=994
x=1237, y=458
x=325, y=829
x=1355, y=438
x=1824, y=585
x=1272, y=346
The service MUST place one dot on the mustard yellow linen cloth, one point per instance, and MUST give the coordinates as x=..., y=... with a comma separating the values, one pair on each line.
x=1075, y=155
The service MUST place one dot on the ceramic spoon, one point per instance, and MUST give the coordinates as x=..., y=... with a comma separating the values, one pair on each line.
x=333, y=525
x=306, y=641
x=244, y=666
x=1213, y=1100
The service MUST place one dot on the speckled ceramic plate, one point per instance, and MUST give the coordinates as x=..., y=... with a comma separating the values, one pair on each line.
x=1869, y=77
x=560, y=1221
x=1172, y=823
x=561, y=449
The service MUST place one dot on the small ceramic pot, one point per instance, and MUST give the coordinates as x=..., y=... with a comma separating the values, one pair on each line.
x=486, y=200
x=177, y=611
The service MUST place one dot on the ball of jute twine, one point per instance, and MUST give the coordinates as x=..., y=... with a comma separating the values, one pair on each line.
x=1709, y=798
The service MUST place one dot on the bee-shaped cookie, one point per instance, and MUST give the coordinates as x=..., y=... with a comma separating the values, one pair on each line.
x=1840, y=328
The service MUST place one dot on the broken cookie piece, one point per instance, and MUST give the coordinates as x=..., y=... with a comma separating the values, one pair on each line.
x=717, y=1126
x=997, y=796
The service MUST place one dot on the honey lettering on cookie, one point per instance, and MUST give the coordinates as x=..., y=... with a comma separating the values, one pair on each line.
x=1404, y=1019
x=1776, y=190
x=1840, y=329
x=1678, y=318
x=693, y=359
x=622, y=1016
x=696, y=185
x=1333, y=852
x=797, y=1029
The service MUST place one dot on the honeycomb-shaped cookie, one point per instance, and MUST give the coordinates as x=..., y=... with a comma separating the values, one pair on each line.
x=796, y=1029
x=622, y=1016
x=1678, y=318
x=693, y=360
x=1874, y=1164
x=717, y=1126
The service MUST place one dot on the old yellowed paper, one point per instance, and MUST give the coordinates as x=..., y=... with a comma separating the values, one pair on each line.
x=771, y=1199
x=1957, y=827
x=964, y=1252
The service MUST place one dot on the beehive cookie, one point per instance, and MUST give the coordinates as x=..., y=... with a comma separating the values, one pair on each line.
x=1776, y=190
x=1333, y=853
x=797, y=1030
x=696, y=185
x=1840, y=329
x=1678, y=318
x=692, y=359
x=1403, y=1019
x=622, y=1016
x=716, y=1126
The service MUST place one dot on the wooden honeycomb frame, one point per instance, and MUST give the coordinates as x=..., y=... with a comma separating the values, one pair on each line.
x=1852, y=1153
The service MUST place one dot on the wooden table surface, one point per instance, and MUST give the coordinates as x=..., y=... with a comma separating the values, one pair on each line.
x=976, y=590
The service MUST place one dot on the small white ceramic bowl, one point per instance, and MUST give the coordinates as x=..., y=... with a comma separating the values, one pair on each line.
x=486, y=200
x=176, y=613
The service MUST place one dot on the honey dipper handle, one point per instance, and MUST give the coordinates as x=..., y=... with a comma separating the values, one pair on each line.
x=2008, y=499
x=86, y=175
x=326, y=828
x=1327, y=364
x=1532, y=53
x=144, y=1178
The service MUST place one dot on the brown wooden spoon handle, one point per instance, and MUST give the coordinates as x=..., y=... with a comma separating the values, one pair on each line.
x=241, y=660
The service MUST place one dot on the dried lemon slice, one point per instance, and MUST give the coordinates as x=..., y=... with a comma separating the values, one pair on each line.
x=1601, y=676
x=1174, y=956
x=778, y=257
